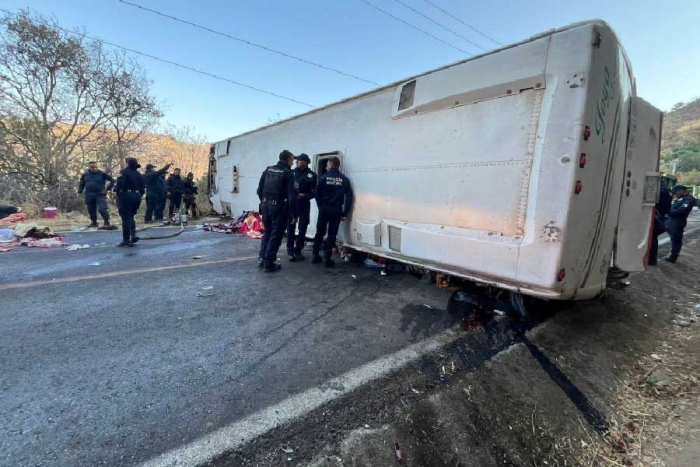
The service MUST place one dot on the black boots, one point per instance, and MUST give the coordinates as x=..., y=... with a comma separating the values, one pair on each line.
x=274, y=267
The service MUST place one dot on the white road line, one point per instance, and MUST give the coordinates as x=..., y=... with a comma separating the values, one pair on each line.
x=237, y=434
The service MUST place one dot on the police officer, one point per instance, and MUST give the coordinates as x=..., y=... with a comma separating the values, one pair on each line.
x=677, y=219
x=278, y=194
x=92, y=182
x=660, y=213
x=176, y=187
x=130, y=189
x=160, y=210
x=155, y=192
x=190, y=190
x=334, y=198
x=306, y=180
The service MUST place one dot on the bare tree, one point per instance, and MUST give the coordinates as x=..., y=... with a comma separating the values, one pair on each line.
x=132, y=110
x=59, y=92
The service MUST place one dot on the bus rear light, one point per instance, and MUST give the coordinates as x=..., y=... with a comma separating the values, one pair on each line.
x=586, y=133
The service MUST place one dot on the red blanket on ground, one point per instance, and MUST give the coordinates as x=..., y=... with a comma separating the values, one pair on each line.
x=17, y=217
x=249, y=223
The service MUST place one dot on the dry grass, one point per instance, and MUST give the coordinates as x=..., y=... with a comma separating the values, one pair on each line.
x=643, y=425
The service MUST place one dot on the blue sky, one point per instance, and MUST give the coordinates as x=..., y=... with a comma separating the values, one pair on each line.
x=661, y=38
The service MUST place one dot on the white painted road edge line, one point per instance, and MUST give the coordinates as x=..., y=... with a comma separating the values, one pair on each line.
x=241, y=432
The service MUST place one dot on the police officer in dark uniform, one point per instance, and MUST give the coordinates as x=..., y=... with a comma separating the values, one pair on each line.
x=677, y=219
x=155, y=192
x=191, y=190
x=160, y=210
x=278, y=194
x=334, y=198
x=176, y=187
x=661, y=211
x=92, y=183
x=306, y=180
x=130, y=189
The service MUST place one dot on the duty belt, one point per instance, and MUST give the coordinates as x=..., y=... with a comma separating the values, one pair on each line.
x=272, y=202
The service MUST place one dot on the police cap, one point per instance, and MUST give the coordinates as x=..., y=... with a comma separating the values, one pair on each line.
x=678, y=188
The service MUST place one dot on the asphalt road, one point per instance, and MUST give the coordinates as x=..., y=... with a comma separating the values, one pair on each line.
x=109, y=357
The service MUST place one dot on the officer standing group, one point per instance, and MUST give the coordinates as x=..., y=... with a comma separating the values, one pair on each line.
x=277, y=193
x=677, y=219
x=92, y=182
x=190, y=190
x=285, y=202
x=155, y=189
x=306, y=180
x=130, y=188
x=175, y=188
x=334, y=198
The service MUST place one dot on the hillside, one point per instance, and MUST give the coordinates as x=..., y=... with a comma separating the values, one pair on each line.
x=682, y=125
x=680, y=144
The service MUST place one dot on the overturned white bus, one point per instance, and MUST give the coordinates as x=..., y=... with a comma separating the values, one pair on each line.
x=532, y=168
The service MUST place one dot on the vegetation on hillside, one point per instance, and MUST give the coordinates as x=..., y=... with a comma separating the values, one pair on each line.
x=681, y=142
x=65, y=100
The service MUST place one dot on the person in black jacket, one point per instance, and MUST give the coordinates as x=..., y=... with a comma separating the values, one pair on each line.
x=190, y=197
x=277, y=194
x=677, y=219
x=155, y=192
x=306, y=180
x=92, y=182
x=660, y=213
x=161, y=209
x=176, y=187
x=130, y=189
x=334, y=198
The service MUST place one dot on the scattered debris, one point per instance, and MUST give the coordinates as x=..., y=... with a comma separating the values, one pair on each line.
x=366, y=426
x=75, y=228
x=428, y=306
x=249, y=223
x=17, y=217
x=206, y=291
x=95, y=264
x=52, y=242
x=354, y=276
x=499, y=312
x=77, y=247
x=287, y=450
x=397, y=451
x=656, y=356
x=196, y=257
x=7, y=235
x=369, y=263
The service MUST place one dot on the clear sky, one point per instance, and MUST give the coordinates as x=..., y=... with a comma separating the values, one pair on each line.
x=662, y=40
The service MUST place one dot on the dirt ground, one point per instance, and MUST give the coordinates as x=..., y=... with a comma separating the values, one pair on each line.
x=655, y=419
x=607, y=382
